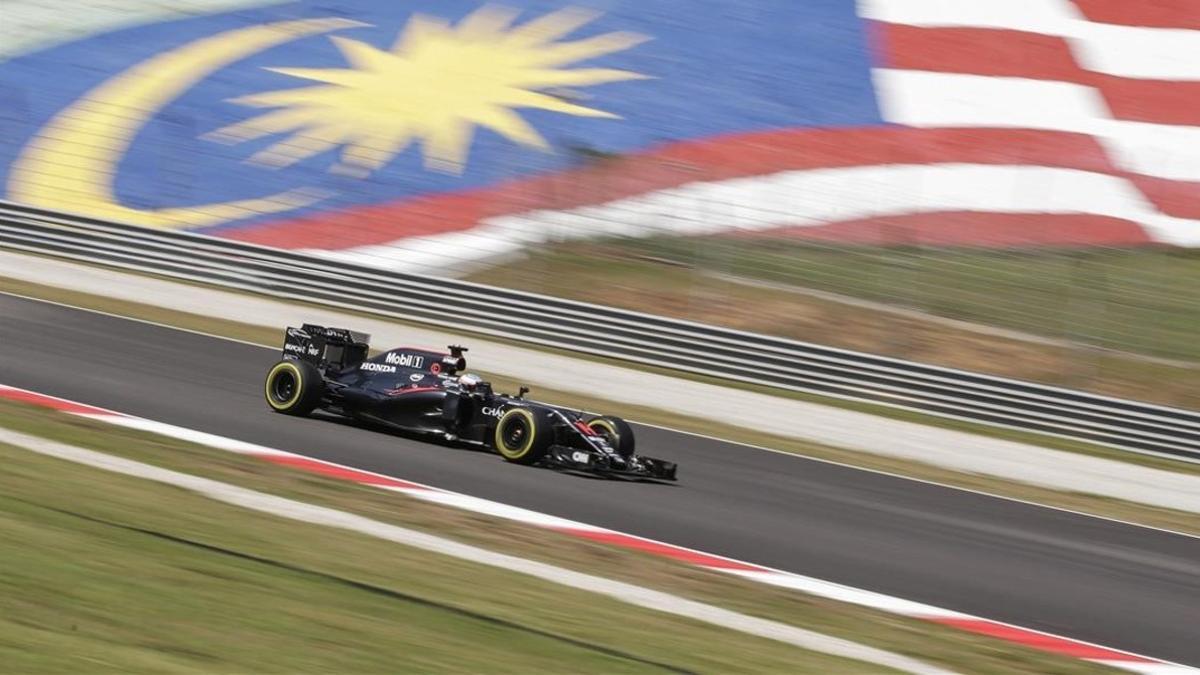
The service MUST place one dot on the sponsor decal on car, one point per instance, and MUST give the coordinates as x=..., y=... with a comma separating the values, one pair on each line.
x=338, y=334
x=376, y=367
x=300, y=349
x=416, y=377
x=492, y=412
x=404, y=360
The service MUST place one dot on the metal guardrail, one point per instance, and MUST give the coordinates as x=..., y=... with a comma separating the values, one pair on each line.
x=604, y=331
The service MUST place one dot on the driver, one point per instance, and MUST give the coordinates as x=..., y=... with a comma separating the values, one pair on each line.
x=457, y=408
x=469, y=382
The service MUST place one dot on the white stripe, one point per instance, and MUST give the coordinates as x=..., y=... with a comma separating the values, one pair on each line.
x=184, y=434
x=1173, y=231
x=435, y=253
x=1128, y=51
x=1036, y=16
x=810, y=197
x=927, y=99
x=1161, y=150
x=856, y=596
x=491, y=508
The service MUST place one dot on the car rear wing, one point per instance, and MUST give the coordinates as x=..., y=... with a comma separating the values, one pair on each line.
x=326, y=348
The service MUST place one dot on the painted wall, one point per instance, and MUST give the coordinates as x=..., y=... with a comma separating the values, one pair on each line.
x=408, y=134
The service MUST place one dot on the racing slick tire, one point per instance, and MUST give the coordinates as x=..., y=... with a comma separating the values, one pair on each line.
x=294, y=387
x=523, y=436
x=616, y=431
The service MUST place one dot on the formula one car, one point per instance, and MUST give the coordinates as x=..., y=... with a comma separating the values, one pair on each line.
x=427, y=392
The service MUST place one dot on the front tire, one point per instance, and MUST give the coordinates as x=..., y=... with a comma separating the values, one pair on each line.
x=294, y=387
x=523, y=436
x=617, y=432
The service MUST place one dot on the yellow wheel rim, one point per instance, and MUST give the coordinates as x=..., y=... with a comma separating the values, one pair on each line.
x=527, y=441
x=607, y=426
x=295, y=395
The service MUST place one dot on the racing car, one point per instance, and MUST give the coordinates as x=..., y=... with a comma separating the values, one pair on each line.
x=427, y=392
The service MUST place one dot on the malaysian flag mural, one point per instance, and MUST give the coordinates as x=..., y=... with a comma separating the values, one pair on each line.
x=426, y=135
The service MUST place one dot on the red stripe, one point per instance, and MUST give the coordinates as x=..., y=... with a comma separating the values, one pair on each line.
x=1009, y=53
x=334, y=471
x=660, y=549
x=973, y=229
x=1152, y=13
x=1048, y=643
x=1159, y=101
x=979, y=51
x=412, y=390
x=52, y=402
x=1173, y=197
x=669, y=166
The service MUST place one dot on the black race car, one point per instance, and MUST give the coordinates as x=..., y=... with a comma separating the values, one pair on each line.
x=427, y=392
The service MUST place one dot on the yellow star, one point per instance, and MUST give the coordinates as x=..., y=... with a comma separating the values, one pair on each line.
x=436, y=85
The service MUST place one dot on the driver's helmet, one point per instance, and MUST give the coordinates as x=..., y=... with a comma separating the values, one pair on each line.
x=469, y=382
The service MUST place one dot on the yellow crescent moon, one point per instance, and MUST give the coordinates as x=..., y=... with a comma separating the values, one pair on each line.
x=71, y=164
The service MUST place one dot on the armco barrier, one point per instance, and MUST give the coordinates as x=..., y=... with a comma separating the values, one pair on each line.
x=605, y=331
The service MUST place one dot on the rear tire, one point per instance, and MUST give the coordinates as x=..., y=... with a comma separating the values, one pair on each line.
x=523, y=436
x=294, y=387
x=617, y=432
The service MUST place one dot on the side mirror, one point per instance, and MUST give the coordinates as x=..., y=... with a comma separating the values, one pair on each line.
x=522, y=391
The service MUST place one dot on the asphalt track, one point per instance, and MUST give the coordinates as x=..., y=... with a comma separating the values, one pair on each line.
x=1114, y=584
